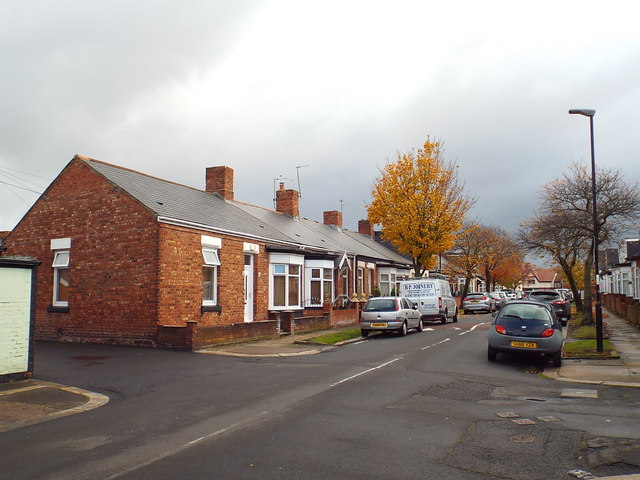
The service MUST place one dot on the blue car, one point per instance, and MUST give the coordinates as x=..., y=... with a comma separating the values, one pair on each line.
x=528, y=327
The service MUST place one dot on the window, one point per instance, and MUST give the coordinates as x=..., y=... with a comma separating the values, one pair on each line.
x=360, y=288
x=321, y=286
x=210, y=276
x=387, y=284
x=61, y=278
x=286, y=285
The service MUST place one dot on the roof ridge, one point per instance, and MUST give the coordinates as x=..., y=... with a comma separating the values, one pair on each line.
x=90, y=160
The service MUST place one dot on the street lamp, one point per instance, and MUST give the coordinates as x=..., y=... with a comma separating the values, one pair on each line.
x=590, y=113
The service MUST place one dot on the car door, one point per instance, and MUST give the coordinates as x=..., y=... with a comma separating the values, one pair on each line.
x=412, y=315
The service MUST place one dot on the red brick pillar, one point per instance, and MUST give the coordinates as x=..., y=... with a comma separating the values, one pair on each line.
x=190, y=341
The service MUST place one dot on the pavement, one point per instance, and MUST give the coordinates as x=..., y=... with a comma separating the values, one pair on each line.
x=28, y=402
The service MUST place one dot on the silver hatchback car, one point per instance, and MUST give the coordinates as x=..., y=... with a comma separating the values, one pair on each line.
x=390, y=314
x=526, y=327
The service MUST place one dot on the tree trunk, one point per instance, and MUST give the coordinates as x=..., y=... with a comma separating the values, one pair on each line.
x=487, y=277
x=572, y=283
x=465, y=289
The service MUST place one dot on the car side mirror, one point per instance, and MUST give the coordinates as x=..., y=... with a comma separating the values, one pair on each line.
x=415, y=306
x=494, y=314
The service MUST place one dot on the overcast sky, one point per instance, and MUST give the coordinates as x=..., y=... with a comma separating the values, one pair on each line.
x=170, y=88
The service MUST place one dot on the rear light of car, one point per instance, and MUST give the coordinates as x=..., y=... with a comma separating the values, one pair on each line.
x=559, y=302
x=547, y=332
x=440, y=303
x=501, y=330
x=483, y=298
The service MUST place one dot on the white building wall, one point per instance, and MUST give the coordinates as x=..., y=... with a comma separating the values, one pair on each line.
x=15, y=309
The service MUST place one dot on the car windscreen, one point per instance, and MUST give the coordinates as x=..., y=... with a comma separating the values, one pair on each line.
x=533, y=318
x=380, y=305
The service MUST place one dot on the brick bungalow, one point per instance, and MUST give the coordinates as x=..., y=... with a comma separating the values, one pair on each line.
x=133, y=259
x=542, y=278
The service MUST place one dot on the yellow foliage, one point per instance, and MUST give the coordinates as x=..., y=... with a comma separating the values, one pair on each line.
x=420, y=203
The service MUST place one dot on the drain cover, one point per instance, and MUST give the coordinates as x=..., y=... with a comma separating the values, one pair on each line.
x=523, y=438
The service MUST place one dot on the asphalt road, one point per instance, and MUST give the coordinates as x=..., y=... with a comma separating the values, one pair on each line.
x=428, y=405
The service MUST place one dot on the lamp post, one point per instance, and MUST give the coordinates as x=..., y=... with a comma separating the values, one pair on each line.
x=590, y=113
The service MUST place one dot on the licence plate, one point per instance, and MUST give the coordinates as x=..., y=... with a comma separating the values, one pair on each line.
x=524, y=344
x=381, y=325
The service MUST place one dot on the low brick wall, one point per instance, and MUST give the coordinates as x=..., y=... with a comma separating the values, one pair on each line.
x=192, y=337
x=624, y=306
x=172, y=336
x=310, y=324
x=344, y=318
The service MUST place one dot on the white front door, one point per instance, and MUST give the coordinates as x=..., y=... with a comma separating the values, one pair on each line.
x=248, y=288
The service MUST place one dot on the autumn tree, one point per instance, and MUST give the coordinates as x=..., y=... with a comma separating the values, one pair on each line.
x=567, y=201
x=496, y=249
x=420, y=203
x=464, y=257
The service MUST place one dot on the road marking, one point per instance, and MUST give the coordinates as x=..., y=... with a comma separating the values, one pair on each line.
x=578, y=393
x=366, y=371
x=473, y=328
x=437, y=343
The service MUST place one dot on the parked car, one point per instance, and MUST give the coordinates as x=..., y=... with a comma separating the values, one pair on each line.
x=478, y=302
x=568, y=294
x=561, y=306
x=389, y=314
x=511, y=294
x=526, y=326
x=500, y=297
x=433, y=297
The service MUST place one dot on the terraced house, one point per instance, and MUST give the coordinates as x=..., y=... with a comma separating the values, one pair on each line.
x=130, y=258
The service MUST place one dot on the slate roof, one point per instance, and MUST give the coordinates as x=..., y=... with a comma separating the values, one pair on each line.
x=175, y=202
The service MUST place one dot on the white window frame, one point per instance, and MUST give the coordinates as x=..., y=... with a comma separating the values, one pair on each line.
x=324, y=267
x=211, y=262
x=59, y=264
x=285, y=260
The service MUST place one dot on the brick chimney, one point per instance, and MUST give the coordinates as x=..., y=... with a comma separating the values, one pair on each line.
x=365, y=228
x=220, y=180
x=333, y=218
x=288, y=201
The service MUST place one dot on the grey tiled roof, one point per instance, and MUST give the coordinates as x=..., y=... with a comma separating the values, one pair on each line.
x=187, y=204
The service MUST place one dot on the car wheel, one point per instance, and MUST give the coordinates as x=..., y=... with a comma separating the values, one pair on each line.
x=444, y=317
x=364, y=332
x=455, y=316
x=420, y=326
x=466, y=312
x=556, y=359
x=403, y=329
x=492, y=354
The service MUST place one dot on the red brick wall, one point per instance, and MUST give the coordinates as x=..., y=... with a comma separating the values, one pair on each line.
x=180, y=279
x=113, y=259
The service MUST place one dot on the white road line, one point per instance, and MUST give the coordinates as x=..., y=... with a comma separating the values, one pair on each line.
x=473, y=328
x=438, y=343
x=366, y=371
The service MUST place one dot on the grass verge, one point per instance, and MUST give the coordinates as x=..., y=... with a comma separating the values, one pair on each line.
x=333, y=338
x=587, y=349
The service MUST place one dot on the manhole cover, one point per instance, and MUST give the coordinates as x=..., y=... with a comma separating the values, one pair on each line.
x=523, y=421
x=523, y=438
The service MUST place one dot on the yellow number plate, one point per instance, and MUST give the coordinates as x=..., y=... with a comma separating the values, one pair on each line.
x=382, y=325
x=524, y=344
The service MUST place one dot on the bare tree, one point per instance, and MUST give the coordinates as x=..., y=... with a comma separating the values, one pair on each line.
x=568, y=200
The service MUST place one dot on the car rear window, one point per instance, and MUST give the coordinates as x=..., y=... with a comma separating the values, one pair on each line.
x=380, y=305
x=544, y=296
x=475, y=295
x=534, y=318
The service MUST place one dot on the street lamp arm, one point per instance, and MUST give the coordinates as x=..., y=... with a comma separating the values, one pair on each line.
x=582, y=111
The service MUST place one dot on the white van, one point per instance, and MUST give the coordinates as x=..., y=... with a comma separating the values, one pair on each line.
x=433, y=297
